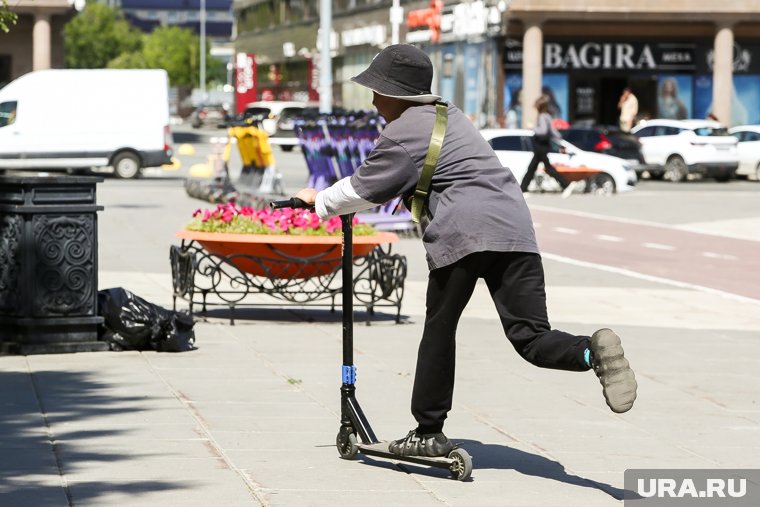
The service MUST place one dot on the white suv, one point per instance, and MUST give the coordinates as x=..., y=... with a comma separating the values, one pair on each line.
x=686, y=147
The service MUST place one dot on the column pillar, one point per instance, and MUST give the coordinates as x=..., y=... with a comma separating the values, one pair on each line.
x=723, y=61
x=533, y=44
x=41, y=42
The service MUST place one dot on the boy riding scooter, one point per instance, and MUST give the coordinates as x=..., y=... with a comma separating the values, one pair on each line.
x=478, y=226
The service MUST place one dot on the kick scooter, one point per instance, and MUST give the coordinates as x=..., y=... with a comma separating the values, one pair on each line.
x=353, y=422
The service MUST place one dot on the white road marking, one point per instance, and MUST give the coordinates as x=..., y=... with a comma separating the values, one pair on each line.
x=565, y=230
x=612, y=239
x=659, y=246
x=650, y=278
x=683, y=227
x=725, y=257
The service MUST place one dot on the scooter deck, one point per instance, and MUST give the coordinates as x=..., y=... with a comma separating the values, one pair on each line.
x=380, y=449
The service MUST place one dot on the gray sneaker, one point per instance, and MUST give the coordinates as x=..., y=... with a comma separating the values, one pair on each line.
x=614, y=372
x=431, y=446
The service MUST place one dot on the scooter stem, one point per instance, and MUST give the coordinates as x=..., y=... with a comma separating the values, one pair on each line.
x=352, y=415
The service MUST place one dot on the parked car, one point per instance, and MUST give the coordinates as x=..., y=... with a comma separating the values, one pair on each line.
x=277, y=119
x=748, y=137
x=685, y=147
x=601, y=174
x=209, y=115
x=612, y=141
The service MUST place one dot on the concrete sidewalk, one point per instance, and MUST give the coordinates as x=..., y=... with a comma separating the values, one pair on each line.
x=250, y=417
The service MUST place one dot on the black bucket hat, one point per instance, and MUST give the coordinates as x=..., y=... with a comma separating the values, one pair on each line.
x=400, y=71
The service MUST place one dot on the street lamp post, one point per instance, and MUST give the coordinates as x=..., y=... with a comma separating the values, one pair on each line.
x=325, y=59
x=203, y=50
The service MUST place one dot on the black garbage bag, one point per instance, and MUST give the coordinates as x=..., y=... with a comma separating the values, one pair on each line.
x=132, y=323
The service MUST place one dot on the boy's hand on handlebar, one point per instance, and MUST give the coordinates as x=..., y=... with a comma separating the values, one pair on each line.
x=307, y=195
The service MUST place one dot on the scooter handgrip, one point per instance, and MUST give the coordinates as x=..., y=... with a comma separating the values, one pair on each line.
x=293, y=202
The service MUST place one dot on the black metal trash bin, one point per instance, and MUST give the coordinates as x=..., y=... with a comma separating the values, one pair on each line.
x=49, y=264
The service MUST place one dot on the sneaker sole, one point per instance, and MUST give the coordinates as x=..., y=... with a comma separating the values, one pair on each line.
x=615, y=374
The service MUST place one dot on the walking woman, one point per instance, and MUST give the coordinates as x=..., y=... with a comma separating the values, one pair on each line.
x=544, y=134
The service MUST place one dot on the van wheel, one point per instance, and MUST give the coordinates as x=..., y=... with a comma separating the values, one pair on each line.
x=126, y=165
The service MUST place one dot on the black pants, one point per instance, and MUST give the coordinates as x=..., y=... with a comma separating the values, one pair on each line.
x=541, y=154
x=516, y=283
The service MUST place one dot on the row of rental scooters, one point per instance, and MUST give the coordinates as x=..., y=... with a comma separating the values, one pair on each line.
x=334, y=146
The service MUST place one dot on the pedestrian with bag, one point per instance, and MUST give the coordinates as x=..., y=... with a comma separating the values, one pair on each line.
x=477, y=226
x=544, y=134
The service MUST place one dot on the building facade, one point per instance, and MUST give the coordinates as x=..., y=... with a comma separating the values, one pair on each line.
x=149, y=14
x=462, y=40
x=36, y=41
x=683, y=59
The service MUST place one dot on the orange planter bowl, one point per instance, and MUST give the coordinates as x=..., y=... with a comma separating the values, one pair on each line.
x=283, y=255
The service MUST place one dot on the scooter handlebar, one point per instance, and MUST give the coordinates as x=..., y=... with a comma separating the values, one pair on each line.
x=293, y=202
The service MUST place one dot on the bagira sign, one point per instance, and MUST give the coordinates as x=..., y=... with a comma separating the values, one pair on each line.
x=669, y=56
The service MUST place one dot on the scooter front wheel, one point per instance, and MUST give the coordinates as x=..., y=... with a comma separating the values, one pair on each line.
x=461, y=466
x=346, y=444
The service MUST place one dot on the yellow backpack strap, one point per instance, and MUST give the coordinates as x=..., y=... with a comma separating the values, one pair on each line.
x=422, y=191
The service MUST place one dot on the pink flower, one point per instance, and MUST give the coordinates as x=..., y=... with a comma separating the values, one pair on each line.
x=276, y=221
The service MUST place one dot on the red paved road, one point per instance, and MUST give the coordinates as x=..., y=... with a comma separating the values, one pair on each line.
x=726, y=264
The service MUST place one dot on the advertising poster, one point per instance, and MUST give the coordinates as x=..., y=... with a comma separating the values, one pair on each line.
x=554, y=85
x=703, y=91
x=473, y=81
x=512, y=101
x=674, y=96
x=448, y=72
x=745, y=99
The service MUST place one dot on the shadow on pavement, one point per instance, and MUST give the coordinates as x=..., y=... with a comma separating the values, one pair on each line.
x=37, y=451
x=502, y=457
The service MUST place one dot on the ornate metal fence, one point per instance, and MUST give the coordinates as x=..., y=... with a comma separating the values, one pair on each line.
x=206, y=279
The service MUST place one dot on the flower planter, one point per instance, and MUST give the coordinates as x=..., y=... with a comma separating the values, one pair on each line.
x=281, y=255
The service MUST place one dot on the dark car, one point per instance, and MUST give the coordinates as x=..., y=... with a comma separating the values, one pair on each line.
x=209, y=116
x=611, y=141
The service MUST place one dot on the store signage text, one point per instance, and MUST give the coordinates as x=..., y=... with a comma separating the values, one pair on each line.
x=245, y=79
x=452, y=22
x=429, y=18
x=607, y=56
x=597, y=56
x=372, y=34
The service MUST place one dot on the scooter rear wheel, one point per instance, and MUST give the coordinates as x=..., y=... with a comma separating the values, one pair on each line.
x=461, y=468
x=346, y=444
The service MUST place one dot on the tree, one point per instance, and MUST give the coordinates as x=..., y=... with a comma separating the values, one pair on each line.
x=96, y=36
x=177, y=51
x=7, y=18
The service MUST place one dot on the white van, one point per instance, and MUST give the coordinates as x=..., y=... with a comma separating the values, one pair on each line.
x=78, y=119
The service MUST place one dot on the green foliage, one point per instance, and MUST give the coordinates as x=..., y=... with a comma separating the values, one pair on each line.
x=7, y=18
x=97, y=35
x=134, y=60
x=176, y=50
